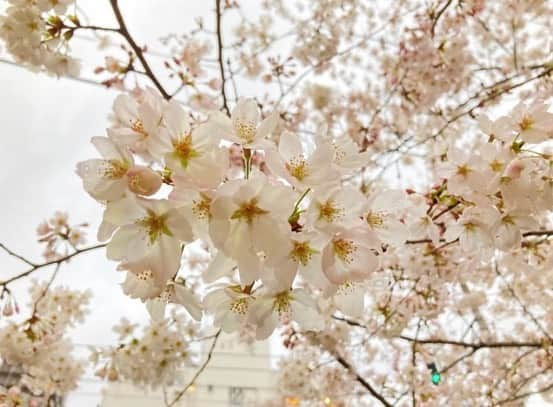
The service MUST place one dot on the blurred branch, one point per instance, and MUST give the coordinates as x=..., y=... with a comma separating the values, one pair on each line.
x=361, y=380
x=438, y=15
x=198, y=372
x=478, y=345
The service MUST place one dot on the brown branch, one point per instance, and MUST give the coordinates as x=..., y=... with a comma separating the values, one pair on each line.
x=493, y=95
x=45, y=291
x=18, y=256
x=446, y=210
x=478, y=345
x=538, y=233
x=49, y=263
x=524, y=395
x=137, y=50
x=199, y=371
x=522, y=305
x=361, y=380
x=438, y=15
x=218, y=15
x=546, y=233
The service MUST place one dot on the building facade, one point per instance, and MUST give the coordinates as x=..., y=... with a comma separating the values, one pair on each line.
x=238, y=375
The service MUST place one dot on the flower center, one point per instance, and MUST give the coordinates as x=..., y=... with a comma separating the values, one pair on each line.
x=463, y=170
x=301, y=252
x=526, y=123
x=344, y=249
x=297, y=167
x=329, y=212
x=249, y=211
x=496, y=166
x=183, y=150
x=281, y=303
x=244, y=130
x=201, y=207
x=155, y=225
x=239, y=306
x=114, y=169
x=374, y=219
x=138, y=127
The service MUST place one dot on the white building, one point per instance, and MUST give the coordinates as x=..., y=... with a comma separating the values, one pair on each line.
x=237, y=375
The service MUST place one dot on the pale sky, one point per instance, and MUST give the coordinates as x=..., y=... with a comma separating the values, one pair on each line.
x=47, y=124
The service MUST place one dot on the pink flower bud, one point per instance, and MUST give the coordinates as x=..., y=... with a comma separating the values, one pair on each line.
x=8, y=309
x=514, y=169
x=43, y=229
x=143, y=180
x=215, y=84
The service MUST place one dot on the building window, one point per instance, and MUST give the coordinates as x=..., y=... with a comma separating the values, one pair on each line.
x=236, y=396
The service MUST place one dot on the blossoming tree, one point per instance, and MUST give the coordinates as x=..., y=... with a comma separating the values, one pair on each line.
x=372, y=179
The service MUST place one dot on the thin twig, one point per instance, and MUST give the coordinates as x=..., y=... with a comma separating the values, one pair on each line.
x=218, y=15
x=49, y=263
x=45, y=291
x=137, y=50
x=361, y=380
x=477, y=345
x=198, y=372
x=18, y=256
x=438, y=15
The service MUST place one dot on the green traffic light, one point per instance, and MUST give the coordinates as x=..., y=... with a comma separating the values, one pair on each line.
x=436, y=377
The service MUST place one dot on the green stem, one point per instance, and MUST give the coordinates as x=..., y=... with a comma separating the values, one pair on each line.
x=247, y=157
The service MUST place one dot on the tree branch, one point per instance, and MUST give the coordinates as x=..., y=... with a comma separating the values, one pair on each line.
x=218, y=15
x=361, y=380
x=137, y=50
x=477, y=345
x=48, y=263
x=198, y=372
x=18, y=256
x=438, y=15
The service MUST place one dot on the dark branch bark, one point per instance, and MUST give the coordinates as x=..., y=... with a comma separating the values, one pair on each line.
x=361, y=380
x=137, y=50
x=478, y=345
x=48, y=263
x=218, y=15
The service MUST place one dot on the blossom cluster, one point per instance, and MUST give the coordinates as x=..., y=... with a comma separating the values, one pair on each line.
x=59, y=235
x=283, y=228
x=37, y=34
x=153, y=359
x=14, y=396
x=38, y=345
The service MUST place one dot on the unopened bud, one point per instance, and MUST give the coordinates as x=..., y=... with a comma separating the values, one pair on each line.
x=8, y=309
x=112, y=374
x=514, y=169
x=143, y=180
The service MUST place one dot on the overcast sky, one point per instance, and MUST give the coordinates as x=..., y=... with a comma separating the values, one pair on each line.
x=46, y=127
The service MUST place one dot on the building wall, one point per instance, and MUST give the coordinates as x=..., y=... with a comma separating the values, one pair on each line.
x=238, y=375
